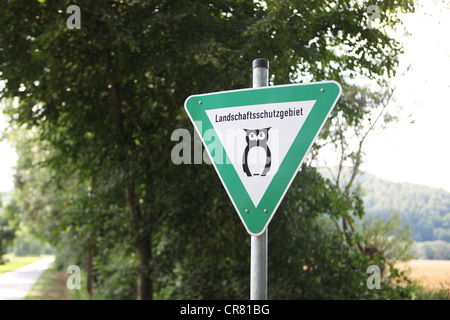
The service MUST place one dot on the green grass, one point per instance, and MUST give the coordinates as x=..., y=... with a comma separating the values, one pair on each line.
x=18, y=262
x=51, y=285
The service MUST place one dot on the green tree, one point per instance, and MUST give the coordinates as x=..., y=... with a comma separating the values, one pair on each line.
x=105, y=98
x=7, y=227
x=387, y=236
x=6, y=238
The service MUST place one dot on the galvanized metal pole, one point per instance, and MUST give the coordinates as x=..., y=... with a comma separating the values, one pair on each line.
x=258, y=249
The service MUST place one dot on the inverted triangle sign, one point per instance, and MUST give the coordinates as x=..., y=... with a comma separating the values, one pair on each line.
x=257, y=140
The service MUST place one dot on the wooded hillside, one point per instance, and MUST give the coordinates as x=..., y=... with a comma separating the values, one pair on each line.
x=425, y=209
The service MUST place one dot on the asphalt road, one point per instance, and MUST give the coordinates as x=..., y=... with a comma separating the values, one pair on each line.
x=14, y=285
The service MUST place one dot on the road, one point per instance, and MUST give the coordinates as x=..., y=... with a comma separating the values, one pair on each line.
x=14, y=285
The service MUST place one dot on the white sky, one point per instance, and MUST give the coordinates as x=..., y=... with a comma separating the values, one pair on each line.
x=420, y=152
x=417, y=153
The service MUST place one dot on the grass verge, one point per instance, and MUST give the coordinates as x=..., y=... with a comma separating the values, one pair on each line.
x=51, y=285
x=18, y=262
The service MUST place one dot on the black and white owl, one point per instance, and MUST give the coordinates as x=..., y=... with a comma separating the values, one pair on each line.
x=257, y=158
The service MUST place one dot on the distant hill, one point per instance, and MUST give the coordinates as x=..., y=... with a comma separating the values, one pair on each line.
x=425, y=209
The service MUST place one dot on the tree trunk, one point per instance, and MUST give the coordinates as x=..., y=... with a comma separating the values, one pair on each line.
x=141, y=233
x=144, y=282
x=90, y=250
x=89, y=270
x=144, y=246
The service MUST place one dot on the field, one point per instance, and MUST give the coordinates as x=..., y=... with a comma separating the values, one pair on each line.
x=432, y=274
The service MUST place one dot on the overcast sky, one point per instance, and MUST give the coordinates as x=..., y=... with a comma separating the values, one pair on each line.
x=420, y=152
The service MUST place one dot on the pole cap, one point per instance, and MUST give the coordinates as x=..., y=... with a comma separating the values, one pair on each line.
x=260, y=63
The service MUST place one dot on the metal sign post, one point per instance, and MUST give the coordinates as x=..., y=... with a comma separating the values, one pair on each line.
x=258, y=267
x=258, y=249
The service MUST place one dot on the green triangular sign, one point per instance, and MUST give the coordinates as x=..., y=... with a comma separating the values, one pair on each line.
x=257, y=140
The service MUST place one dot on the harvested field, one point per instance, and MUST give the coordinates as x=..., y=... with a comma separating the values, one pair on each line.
x=432, y=274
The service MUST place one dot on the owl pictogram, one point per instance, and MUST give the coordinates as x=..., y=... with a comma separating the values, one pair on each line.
x=257, y=158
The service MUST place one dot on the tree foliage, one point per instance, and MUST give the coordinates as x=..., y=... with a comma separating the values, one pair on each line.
x=7, y=234
x=101, y=102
